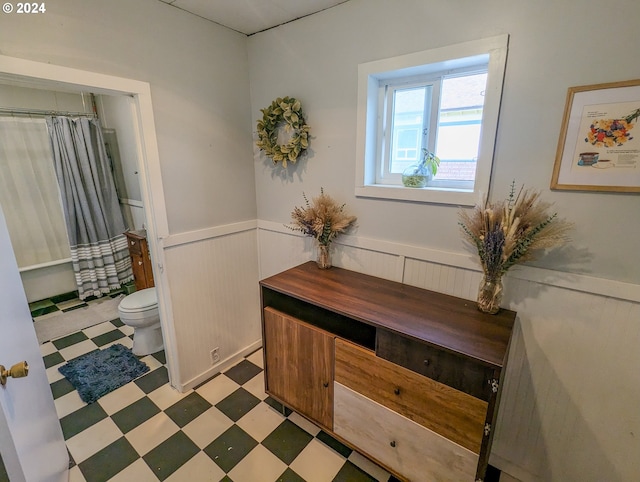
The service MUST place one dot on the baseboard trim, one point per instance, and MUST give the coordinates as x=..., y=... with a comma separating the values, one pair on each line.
x=219, y=367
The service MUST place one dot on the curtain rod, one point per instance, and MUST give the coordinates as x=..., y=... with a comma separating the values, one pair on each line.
x=40, y=112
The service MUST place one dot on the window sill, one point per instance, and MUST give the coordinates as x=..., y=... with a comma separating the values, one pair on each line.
x=434, y=195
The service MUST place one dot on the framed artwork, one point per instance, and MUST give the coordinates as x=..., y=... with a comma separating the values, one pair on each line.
x=599, y=145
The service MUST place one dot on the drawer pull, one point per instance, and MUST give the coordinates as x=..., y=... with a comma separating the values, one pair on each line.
x=426, y=362
x=133, y=243
x=139, y=263
x=396, y=391
x=393, y=443
x=325, y=384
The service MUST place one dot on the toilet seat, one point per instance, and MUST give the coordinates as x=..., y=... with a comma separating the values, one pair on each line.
x=140, y=301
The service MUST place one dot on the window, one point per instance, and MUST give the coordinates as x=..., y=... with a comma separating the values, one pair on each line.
x=445, y=100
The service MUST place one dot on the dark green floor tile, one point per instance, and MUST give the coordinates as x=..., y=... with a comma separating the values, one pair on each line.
x=52, y=359
x=40, y=307
x=117, y=322
x=278, y=407
x=226, y=478
x=152, y=380
x=69, y=340
x=61, y=387
x=243, y=372
x=287, y=441
x=230, y=448
x=160, y=356
x=44, y=310
x=135, y=414
x=108, y=337
x=339, y=447
x=112, y=459
x=75, y=307
x=3, y=472
x=64, y=297
x=187, y=409
x=351, y=473
x=170, y=455
x=289, y=476
x=238, y=404
x=81, y=419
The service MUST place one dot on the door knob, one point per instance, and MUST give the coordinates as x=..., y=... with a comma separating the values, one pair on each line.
x=18, y=370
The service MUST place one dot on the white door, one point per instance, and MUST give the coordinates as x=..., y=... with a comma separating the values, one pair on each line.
x=31, y=441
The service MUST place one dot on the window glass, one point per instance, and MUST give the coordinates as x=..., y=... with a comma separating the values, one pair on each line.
x=446, y=100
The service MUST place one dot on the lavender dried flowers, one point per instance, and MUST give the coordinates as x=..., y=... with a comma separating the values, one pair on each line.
x=511, y=231
x=322, y=219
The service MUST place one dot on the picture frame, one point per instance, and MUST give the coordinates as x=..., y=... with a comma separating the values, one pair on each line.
x=599, y=143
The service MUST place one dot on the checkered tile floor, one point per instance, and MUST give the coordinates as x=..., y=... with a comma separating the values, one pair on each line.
x=227, y=429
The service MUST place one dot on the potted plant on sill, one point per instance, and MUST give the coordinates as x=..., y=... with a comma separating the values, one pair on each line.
x=418, y=175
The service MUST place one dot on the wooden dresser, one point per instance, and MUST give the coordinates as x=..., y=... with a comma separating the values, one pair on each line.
x=408, y=377
x=140, y=259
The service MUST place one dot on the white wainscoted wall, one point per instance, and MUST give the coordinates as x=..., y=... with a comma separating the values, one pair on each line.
x=570, y=409
x=215, y=298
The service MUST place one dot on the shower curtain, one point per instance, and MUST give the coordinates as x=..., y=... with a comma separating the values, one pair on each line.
x=95, y=226
x=29, y=192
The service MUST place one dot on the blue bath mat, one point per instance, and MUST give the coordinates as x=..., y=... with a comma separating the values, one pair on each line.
x=101, y=371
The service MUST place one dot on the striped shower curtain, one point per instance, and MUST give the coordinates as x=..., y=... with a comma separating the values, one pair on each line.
x=99, y=251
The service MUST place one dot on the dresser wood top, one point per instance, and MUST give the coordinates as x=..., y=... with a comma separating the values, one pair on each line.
x=442, y=320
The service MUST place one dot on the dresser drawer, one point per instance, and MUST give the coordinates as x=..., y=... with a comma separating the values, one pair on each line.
x=438, y=407
x=399, y=443
x=456, y=371
x=135, y=246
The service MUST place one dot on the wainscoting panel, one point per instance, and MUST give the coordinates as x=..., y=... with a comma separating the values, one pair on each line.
x=460, y=282
x=569, y=407
x=219, y=306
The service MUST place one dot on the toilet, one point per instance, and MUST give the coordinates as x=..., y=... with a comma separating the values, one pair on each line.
x=140, y=311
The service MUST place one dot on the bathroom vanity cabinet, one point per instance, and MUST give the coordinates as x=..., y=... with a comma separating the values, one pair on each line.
x=408, y=377
x=140, y=259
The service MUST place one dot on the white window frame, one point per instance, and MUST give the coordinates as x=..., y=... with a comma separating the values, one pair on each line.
x=490, y=51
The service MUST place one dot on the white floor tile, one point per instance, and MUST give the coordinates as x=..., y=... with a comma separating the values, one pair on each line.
x=317, y=462
x=256, y=386
x=53, y=374
x=304, y=424
x=121, y=398
x=47, y=348
x=78, y=349
x=127, y=330
x=207, y=427
x=93, y=439
x=138, y=471
x=217, y=389
x=151, y=361
x=99, y=329
x=369, y=467
x=68, y=403
x=75, y=475
x=260, y=465
x=166, y=395
x=151, y=433
x=260, y=421
x=200, y=467
x=126, y=341
x=257, y=358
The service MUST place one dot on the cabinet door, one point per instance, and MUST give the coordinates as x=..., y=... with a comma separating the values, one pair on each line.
x=299, y=366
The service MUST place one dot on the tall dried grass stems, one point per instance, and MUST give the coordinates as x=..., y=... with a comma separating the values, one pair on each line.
x=512, y=231
x=322, y=219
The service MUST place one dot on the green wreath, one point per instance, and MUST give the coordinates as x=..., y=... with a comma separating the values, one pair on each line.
x=285, y=110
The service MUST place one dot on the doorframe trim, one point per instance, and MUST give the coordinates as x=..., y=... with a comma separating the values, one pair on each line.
x=28, y=73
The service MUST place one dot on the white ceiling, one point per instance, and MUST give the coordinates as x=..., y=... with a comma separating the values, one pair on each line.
x=251, y=16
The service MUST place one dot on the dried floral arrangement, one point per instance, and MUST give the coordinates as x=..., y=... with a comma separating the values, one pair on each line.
x=322, y=218
x=511, y=231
